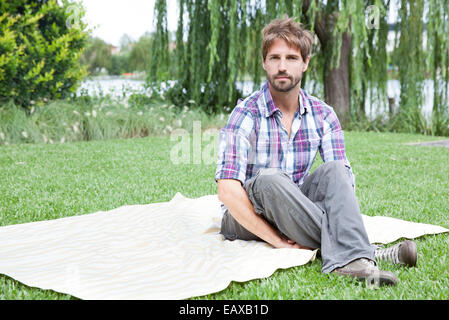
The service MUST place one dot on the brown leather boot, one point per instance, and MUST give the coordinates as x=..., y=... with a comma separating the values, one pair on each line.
x=366, y=270
x=403, y=253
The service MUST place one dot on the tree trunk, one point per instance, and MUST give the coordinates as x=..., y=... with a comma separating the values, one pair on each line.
x=336, y=81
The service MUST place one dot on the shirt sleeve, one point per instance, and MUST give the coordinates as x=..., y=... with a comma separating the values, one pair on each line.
x=234, y=146
x=333, y=143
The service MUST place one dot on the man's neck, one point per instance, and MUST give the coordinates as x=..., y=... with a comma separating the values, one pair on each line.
x=287, y=102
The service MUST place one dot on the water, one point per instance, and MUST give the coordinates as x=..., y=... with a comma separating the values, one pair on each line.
x=116, y=87
x=394, y=90
x=120, y=87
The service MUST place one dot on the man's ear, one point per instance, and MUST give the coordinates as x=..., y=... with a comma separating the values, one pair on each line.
x=263, y=64
x=306, y=64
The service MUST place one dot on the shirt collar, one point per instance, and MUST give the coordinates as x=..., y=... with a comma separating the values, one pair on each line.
x=271, y=107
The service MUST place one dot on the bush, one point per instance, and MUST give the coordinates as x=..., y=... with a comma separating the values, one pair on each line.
x=138, y=99
x=40, y=47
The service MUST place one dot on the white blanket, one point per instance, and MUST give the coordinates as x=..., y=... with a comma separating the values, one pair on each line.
x=170, y=250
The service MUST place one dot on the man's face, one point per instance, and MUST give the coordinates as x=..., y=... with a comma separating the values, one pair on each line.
x=284, y=66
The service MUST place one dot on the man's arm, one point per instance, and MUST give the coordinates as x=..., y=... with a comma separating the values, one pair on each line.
x=234, y=147
x=234, y=197
x=333, y=143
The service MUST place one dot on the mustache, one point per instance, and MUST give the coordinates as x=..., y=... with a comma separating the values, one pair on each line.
x=282, y=75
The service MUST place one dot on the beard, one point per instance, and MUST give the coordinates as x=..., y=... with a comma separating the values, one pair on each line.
x=284, y=86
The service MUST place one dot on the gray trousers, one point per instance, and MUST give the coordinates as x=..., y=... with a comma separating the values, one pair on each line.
x=323, y=213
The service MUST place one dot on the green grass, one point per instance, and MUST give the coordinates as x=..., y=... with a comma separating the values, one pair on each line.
x=49, y=181
x=100, y=118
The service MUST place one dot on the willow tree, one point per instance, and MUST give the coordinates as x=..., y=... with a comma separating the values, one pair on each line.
x=159, y=68
x=219, y=42
x=438, y=63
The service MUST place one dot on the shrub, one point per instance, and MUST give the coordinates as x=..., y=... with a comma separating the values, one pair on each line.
x=40, y=47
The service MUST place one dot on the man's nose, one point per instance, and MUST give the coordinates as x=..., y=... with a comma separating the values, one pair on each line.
x=282, y=65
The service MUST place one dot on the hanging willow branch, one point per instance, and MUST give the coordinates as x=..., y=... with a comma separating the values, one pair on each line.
x=159, y=69
x=180, y=54
x=215, y=23
x=233, y=47
x=437, y=62
x=409, y=58
x=218, y=43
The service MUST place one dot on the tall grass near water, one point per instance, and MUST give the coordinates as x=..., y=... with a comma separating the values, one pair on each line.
x=100, y=117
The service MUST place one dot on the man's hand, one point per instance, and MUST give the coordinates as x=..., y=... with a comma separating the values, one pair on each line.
x=234, y=197
x=287, y=243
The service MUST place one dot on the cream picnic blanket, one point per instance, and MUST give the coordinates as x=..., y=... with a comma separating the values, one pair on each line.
x=170, y=250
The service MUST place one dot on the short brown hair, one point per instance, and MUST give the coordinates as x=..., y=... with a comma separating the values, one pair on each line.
x=291, y=32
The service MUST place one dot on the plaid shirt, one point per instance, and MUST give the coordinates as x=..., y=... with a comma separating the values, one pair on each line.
x=254, y=138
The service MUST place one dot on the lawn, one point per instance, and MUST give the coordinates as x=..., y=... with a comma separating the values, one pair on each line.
x=42, y=182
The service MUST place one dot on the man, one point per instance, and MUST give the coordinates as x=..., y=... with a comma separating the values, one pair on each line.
x=265, y=154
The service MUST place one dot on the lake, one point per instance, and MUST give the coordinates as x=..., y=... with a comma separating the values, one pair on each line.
x=117, y=87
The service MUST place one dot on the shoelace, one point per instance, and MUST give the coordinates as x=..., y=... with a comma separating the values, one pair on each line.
x=389, y=254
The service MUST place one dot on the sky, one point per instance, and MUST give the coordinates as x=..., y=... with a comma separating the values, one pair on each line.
x=110, y=19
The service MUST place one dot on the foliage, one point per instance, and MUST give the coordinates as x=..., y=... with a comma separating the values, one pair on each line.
x=39, y=50
x=218, y=44
x=199, y=77
x=411, y=55
x=126, y=43
x=119, y=64
x=99, y=117
x=160, y=55
x=140, y=53
x=438, y=62
x=133, y=55
x=97, y=55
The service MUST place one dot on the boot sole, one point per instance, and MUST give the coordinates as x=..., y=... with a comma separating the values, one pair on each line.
x=376, y=279
x=379, y=279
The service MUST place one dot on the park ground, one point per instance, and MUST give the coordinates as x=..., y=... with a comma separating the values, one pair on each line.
x=410, y=182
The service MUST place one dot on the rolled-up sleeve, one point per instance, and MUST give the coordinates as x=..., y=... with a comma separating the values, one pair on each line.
x=333, y=142
x=234, y=146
